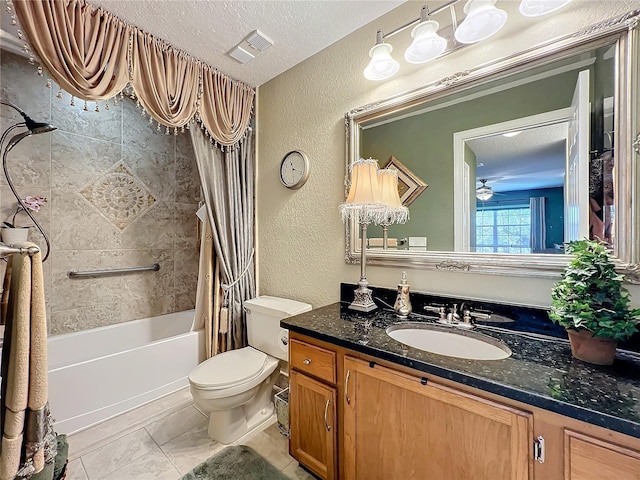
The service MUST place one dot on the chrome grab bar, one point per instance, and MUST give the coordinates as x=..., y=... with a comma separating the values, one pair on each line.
x=97, y=273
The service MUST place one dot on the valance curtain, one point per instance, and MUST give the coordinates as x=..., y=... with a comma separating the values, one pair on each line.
x=82, y=48
x=227, y=181
x=93, y=55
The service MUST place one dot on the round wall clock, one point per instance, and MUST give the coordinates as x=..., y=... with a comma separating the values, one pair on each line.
x=294, y=169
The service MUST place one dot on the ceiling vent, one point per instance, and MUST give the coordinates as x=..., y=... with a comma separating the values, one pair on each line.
x=259, y=40
x=241, y=55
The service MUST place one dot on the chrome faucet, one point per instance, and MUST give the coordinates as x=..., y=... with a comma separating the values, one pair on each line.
x=459, y=315
x=453, y=316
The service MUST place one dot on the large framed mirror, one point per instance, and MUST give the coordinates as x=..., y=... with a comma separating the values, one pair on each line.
x=502, y=164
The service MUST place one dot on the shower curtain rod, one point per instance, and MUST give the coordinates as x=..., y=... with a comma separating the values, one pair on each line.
x=6, y=250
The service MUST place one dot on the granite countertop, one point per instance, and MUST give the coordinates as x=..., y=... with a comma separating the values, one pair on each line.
x=540, y=372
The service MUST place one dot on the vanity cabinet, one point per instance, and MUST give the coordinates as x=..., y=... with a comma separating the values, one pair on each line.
x=588, y=458
x=404, y=426
x=312, y=408
x=356, y=417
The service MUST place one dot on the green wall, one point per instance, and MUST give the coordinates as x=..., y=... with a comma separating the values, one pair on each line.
x=424, y=143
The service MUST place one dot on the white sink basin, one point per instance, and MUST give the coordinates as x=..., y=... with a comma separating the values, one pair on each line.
x=449, y=341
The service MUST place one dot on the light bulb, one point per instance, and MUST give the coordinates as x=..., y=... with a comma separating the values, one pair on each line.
x=537, y=8
x=427, y=44
x=482, y=21
x=382, y=65
x=512, y=134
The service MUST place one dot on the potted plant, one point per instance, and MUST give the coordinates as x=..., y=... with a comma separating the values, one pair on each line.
x=592, y=304
x=11, y=233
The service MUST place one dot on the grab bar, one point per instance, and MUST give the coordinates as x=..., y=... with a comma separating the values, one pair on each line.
x=114, y=271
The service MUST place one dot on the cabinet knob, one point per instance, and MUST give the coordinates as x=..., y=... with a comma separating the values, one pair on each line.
x=307, y=361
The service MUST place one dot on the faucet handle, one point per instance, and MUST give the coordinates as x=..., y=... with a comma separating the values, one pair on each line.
x=482, y=315
x=441, y=310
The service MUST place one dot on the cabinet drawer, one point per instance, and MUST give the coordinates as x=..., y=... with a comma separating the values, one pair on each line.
x=315, y=361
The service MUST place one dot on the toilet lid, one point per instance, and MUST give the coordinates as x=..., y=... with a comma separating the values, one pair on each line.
x=228, y=368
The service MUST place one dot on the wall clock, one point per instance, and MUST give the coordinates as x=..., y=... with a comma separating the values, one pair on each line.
x=294, y=169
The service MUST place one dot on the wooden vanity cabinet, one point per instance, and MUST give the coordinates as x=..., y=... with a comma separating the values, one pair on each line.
x=312, y=408
x=404, y=426
x=385, y=421
x=588, y=458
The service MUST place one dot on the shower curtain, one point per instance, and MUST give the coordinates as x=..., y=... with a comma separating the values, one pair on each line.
x=227, y=181
x=28, y=440
x=538, y=236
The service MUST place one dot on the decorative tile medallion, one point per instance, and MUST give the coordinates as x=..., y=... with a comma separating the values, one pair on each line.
x=119, y=196
x=410, y=186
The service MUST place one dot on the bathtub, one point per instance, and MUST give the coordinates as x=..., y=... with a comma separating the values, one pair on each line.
x=99, y=373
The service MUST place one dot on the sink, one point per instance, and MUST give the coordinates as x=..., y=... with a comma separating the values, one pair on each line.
x=449, y=341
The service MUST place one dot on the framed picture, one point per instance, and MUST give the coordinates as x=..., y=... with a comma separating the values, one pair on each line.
x=409, y=185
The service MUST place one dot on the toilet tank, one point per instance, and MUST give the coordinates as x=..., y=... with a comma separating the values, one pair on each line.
x=263, y=323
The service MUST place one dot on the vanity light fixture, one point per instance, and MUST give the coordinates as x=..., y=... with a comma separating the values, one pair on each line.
x=537, y=8
x=382, y=65
x=363, y=205
x=483, y=192
x=483, y=20
x=427, y=45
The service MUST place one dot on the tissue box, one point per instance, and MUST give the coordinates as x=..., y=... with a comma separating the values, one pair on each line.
x=417, y=243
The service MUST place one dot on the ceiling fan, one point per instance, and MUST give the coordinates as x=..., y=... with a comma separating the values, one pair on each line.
x=484, y=192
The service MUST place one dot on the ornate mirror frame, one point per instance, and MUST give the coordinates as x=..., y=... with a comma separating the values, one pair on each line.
x=623, y=32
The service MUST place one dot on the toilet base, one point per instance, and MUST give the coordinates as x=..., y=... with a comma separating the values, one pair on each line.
x=226, y=429
x=227, y=426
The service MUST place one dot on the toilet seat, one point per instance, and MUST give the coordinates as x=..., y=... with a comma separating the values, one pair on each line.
x=228, y=369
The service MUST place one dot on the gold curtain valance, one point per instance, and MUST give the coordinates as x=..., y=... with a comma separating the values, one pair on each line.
x=93, y=55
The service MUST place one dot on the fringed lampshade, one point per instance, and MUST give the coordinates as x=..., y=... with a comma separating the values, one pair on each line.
x=394, y=211
x=363, y=205
x=363, y=202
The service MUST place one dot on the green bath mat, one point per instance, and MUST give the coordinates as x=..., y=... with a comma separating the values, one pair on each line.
x=235, y=463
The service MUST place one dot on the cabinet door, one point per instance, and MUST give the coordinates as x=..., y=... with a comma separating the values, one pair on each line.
x=587, y=458
x=398, y=426
x=312, y=407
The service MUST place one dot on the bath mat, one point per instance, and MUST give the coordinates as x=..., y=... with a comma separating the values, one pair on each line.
x=234, y=463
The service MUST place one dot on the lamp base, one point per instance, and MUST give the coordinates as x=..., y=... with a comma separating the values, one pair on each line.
x=363, y=300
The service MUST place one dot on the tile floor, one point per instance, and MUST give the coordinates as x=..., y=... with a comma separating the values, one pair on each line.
x=163, y=440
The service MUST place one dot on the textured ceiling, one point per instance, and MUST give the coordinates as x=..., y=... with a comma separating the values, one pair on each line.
x=209, y=29
x=533, y=159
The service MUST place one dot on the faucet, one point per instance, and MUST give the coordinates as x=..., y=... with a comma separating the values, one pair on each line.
x=453, y=316
x=441, y=310
x=459, y=315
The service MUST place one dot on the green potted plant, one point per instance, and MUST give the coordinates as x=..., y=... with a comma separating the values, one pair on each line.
x=592, y=304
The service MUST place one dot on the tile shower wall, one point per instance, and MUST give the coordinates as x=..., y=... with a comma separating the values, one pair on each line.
x=120, y=194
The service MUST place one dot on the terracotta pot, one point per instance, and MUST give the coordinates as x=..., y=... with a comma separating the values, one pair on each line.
x=590, y=349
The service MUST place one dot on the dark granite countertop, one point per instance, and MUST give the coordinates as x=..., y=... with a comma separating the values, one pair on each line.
x=540, y=372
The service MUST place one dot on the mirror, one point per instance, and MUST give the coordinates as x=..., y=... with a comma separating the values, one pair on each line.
x=502, y=164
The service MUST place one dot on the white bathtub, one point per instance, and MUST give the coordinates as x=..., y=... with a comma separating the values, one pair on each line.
x=99, y=373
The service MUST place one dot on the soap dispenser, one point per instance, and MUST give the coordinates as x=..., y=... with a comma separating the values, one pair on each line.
x=403, y=304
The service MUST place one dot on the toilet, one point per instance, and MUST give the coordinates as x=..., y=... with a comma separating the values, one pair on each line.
x=235, y=388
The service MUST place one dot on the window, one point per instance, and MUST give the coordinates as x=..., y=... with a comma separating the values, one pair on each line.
x=503, y=229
